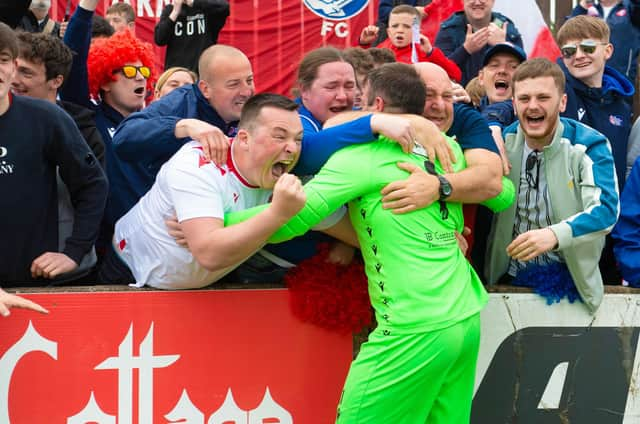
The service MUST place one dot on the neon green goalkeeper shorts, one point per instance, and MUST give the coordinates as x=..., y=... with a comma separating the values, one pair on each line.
x=413, y=378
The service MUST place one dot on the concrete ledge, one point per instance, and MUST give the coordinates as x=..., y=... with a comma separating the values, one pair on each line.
x=253, y=286
x=125, y=288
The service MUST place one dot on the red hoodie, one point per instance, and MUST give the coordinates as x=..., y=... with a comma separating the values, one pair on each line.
x=436, y=56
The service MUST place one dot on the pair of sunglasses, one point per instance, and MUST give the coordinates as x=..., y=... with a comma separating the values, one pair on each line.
x=130, y=71
x=586, y=46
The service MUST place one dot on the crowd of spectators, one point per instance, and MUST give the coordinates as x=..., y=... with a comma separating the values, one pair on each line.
x=113, y=174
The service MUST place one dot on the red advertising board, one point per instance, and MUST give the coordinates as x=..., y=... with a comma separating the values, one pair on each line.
x=210, y=356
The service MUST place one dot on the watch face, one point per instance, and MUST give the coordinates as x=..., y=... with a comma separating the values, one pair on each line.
x=445, y=187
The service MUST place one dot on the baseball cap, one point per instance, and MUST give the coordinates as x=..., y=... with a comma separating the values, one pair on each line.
x=506, y=47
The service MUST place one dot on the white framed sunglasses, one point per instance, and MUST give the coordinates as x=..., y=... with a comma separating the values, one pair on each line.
x=586, y=46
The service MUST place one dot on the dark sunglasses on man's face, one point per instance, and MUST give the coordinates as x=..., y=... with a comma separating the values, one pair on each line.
x=130, y=71
x=587, y=47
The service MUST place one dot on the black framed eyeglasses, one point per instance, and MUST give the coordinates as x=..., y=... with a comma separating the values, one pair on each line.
x=130, y=71
x=587, y=47
x=533, y=161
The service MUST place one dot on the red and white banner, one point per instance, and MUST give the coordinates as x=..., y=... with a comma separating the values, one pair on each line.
x=275, y=34
x=194, y=357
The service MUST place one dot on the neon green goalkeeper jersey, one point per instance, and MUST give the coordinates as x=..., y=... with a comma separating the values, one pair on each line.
x=419, y=279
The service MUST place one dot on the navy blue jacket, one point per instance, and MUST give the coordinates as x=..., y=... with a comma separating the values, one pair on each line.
x=39, y=138
x=603, y=109
x=499, y=113
x=626, y=233
x=471, y=129
x=625, y=35
x=451, y=37
x=123, y=177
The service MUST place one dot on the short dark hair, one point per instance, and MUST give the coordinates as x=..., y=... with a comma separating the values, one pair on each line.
x=48, y=50
x=537, y=68
x=255, y=104
x=360, y=59
x=381, y=55
x=123, y=9
x=8, y=40
x=100, y=27
x=400, y=86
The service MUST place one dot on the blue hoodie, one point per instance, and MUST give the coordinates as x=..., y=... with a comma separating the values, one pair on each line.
x=603, y=109
x=626, y=233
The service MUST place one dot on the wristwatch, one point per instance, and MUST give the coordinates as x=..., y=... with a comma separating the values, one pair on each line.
x=445, y=187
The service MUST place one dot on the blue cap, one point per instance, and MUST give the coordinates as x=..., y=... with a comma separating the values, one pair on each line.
x=506, y=47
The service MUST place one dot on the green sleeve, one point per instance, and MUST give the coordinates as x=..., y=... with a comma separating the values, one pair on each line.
x=233, y=218
x=497, y=204
x=339, y=181
x=503, y=200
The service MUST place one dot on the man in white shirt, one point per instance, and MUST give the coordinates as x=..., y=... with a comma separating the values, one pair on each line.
x=198, y=192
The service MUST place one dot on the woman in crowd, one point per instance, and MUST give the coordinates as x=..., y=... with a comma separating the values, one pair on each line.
x=173, y=78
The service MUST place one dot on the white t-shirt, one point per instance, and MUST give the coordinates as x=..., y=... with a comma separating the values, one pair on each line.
x=606, y=10
x=187, y=186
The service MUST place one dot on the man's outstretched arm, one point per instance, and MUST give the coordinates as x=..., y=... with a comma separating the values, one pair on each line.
x=341, y=180
x=216, y=247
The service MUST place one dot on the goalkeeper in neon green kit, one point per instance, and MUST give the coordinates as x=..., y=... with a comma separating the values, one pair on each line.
x=418, y=365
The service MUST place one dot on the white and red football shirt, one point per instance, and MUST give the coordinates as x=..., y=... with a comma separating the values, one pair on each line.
x=187, y=186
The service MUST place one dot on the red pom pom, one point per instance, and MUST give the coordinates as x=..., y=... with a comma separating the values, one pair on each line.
x=331, y=296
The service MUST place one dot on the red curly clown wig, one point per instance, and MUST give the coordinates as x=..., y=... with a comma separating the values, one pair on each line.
x=109, y=54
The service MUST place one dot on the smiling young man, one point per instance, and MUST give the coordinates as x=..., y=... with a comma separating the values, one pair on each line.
x=199, y=192
x=498, y=66
x=623, y=19
x=43, y=66
x=596, y=93
x=38, y=141
x=567, y=199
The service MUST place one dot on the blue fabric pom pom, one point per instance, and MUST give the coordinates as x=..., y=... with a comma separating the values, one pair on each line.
x=552, y=281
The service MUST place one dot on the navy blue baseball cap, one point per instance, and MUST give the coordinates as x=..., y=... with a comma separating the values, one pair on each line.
x=506, y=47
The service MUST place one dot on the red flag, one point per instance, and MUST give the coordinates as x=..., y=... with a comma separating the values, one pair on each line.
x=536, y=36
x=437, y=12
